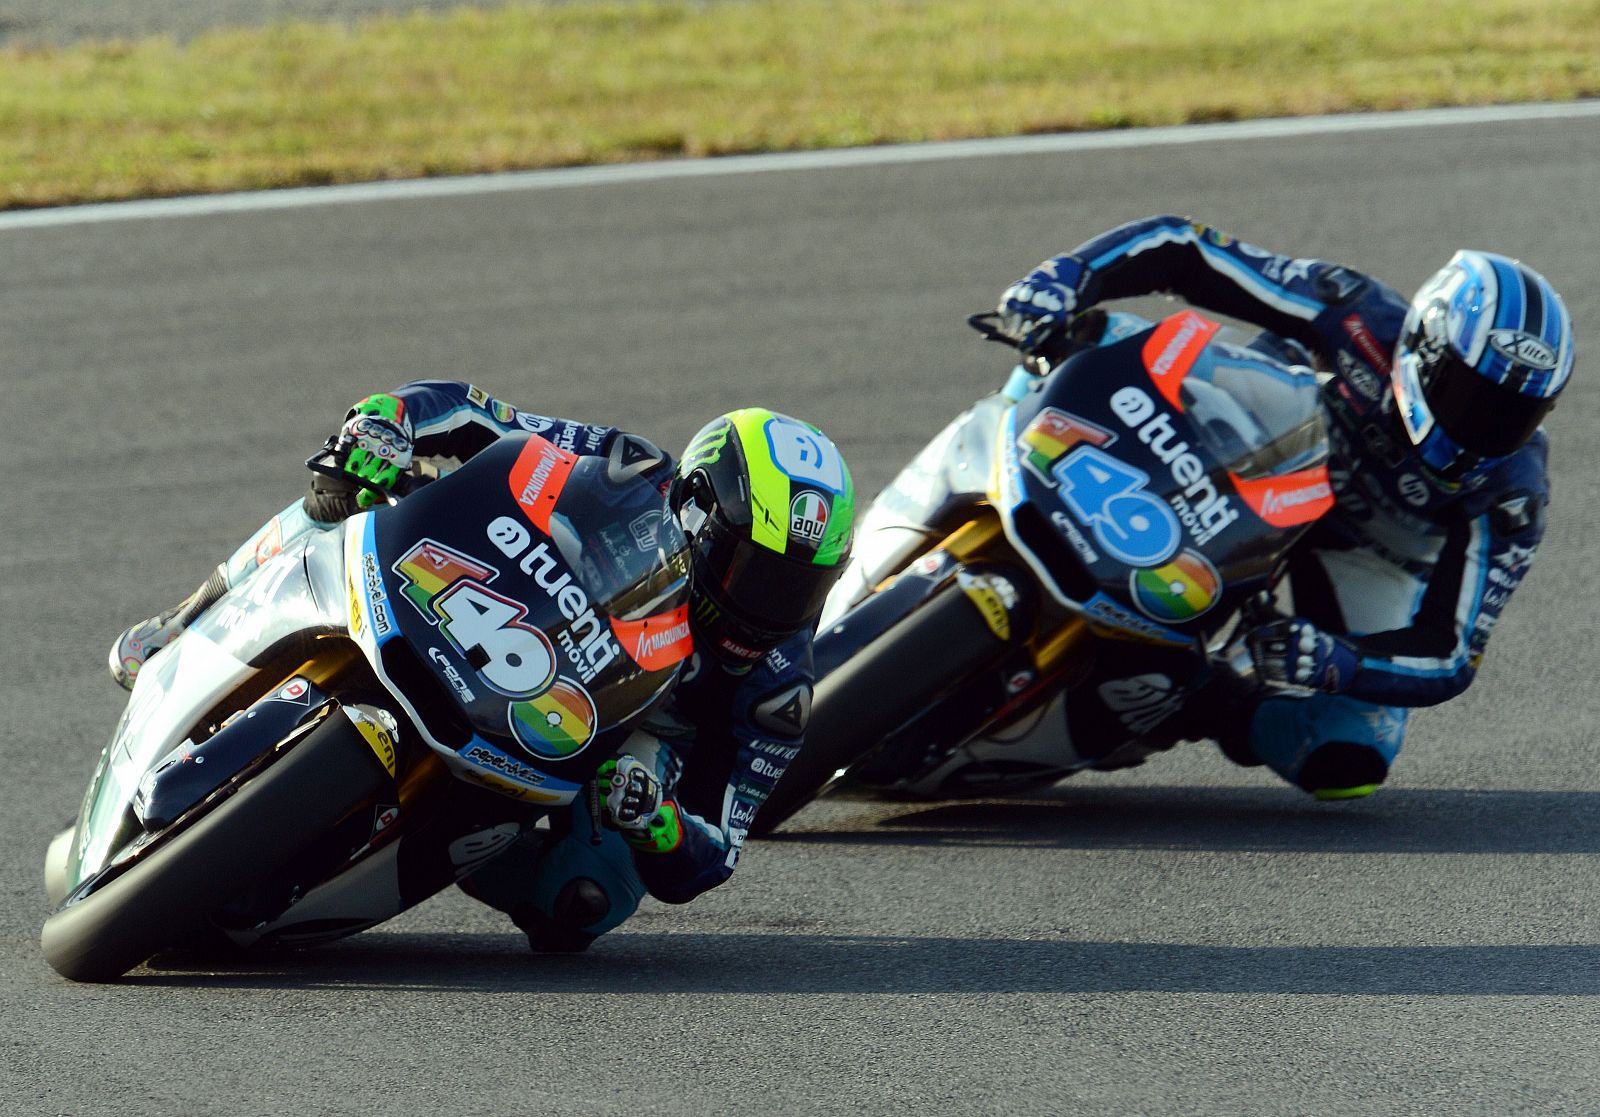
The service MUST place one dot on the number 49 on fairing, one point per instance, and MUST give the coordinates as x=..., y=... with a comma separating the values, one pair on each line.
x=514, y=658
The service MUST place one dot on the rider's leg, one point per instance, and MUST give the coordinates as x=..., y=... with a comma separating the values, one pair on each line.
x=564, y=896
x=1333, y=746
x=1330, y=745
x=136, y=645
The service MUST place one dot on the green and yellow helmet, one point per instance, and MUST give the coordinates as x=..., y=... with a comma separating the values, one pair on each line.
x=768, y=505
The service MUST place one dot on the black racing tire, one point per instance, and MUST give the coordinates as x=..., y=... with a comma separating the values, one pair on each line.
x=923, y=657
x=171, y=891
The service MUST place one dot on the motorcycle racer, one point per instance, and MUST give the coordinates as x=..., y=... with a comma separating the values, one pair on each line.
x=767, y=503
x=1438, y=467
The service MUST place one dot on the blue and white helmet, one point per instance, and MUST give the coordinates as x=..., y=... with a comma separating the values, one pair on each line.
x=1485, y=350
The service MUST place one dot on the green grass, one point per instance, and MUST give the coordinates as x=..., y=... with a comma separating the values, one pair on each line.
x=610, y=81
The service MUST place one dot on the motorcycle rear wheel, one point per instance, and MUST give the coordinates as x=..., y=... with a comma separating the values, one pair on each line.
x=172, y=890
x=879, y=689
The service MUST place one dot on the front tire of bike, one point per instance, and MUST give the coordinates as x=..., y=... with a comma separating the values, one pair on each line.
x=176, y=887
x=868, y=697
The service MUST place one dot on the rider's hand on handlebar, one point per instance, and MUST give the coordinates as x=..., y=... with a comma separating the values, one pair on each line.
x=631, y=804
x=1294, y=652
x=375, y=444
x=1039, y=306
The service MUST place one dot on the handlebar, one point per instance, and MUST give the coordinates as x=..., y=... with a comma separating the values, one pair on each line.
x=1082, y=332
x=326, y=462
x=1233, y=661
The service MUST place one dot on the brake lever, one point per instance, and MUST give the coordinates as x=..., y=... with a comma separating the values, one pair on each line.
x=316, y=464
x=988, y=323
x=1259, y=610
x=1234, y=658
x=1080, y=333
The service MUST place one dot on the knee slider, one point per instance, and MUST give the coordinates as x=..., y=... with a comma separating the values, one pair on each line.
x=580, y=903
x=1343, y=769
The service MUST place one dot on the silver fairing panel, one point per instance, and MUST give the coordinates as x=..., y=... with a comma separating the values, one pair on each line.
x=298, y=590
x=952, y=469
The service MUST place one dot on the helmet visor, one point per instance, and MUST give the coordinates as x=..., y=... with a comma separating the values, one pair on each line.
x=1482, y=417
x=757, y=586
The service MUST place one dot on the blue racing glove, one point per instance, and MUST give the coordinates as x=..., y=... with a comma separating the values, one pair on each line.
x=1295, y=652
x=1041, y=303
x=376, y=444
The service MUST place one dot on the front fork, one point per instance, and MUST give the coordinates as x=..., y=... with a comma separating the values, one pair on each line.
x=1039, y=647
x=1053, y=645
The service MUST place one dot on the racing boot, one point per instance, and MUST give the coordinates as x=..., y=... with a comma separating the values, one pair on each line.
x=133, y=649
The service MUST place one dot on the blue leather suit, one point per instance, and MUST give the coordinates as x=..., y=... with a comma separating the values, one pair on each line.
x=1414, y=573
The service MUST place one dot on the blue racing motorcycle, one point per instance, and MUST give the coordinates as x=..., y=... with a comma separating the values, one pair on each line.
x=377, y=711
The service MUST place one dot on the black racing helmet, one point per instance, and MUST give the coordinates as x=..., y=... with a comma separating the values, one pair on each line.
x=768, y=505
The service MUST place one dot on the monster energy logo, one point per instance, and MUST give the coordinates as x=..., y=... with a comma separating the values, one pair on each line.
x=707, y=447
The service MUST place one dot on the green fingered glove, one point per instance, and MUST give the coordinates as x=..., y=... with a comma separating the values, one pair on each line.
x=631, y=804
x=376, y=444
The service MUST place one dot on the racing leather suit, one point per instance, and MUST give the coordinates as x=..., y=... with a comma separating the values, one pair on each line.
x=1414, y=574
x=722, y=738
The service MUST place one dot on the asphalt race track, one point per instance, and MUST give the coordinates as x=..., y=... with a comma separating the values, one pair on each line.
x=1187, y=937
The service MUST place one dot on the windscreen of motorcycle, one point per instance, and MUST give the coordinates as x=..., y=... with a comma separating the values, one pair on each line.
x=529, y=607
x=1154, y=482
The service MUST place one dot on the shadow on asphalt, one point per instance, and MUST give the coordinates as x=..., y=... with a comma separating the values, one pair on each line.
x=1221, y=819
x=843, y=964
x=1395, y=820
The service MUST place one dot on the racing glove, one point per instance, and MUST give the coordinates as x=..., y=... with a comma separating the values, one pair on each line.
x=376, y=445
x=1295, y=652
x=631, y=803
x=1040, y=304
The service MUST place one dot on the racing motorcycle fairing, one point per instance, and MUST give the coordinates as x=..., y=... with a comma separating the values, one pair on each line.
x=953, y=472
x=517, y=641
x=1142, y=493
x=1152, y=483
x=281, y=615
x=527, y=612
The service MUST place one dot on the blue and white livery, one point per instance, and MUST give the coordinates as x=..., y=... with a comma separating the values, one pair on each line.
x=1438, y=463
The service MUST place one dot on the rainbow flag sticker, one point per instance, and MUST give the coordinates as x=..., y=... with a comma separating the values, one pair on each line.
x=1178, y=591
x=1050, y=434
x=430, y=567
x=557, y=724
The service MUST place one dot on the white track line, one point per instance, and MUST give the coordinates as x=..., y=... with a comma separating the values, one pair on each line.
x=886, y=155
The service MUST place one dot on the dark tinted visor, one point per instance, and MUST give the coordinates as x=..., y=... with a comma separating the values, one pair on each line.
x=1480, y=416
x=757, y=586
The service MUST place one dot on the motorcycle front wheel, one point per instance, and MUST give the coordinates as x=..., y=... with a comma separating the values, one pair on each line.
x=174, y=888
x=885, y=685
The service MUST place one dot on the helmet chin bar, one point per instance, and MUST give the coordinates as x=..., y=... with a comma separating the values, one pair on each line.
x=1461, y=469
x=730, y=641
